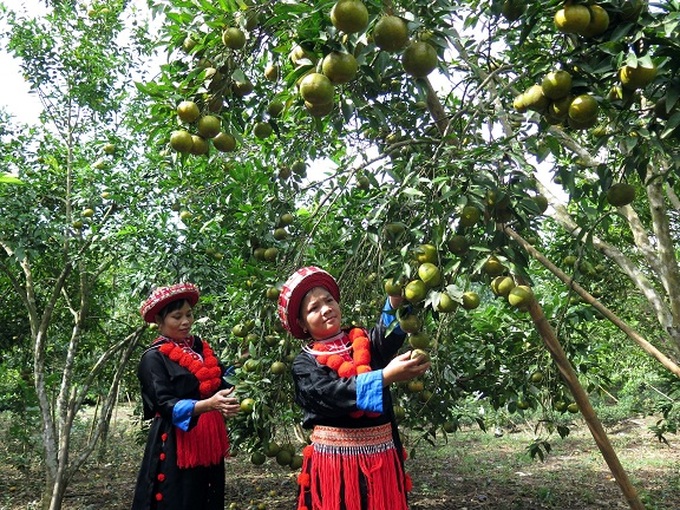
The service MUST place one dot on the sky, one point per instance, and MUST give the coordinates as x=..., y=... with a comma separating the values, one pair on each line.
x=14, y=90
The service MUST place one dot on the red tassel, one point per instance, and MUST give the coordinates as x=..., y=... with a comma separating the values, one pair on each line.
x=204, y=445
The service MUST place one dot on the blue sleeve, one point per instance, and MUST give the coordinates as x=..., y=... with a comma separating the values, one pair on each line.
x=388, y=316
x=370, y=391
x=182, y=413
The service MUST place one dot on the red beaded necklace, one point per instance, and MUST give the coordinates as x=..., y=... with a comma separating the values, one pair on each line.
x=206, y=370
x=344, y=364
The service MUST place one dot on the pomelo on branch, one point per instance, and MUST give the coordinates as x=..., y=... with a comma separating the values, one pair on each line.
x=521, y=296
x=621, y=194
x=420, y=355
x=275, y=108
x=262, y=130
x=349, y=16
x=492, y=266
x=410, y=323
x=637, y=77
x=419, y=59
x=583, y=108
x=188, y=111
x=208, y=126
x=560, y=107
x=319, y=109
x=419, y=340
x=224, y=142
x=280, y=233
x=512, y=10
x=271, y=72
x=502, y=285
x=316, y=88
x=390, y=33
x=393, y=287
x=572, y=18
x=458, y=244
x=430, y=274
x=234, y=38
x=199, y=145
x=470, y=300
x=339, y=67
x=415, y=291
x=242, y=88
x=426, y=253
x=534, y=99
x=599, y=22
x=181, y=141
x=556, y=84
x=469, y=216
x=446, y=304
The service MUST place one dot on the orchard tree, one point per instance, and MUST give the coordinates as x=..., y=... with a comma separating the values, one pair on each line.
x=400, y=134
x=69, y=222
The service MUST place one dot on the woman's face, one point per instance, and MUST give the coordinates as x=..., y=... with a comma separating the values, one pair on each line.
x=320, y=314
x=177, y=324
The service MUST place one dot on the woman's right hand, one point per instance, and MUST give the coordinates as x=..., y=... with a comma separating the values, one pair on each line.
x=403, y=368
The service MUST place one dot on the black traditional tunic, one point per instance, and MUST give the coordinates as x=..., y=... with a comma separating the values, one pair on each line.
x=328, y=399
x=161, y=484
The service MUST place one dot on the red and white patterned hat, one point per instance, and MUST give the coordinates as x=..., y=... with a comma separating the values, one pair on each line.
x=163, y=296
x=293, y=291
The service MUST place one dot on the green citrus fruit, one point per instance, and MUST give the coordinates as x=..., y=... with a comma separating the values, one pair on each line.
x=208, y=126
x=410, y=323
x=278, y=368
x=636, y=77
x=572, y=19
x=262, y=130
x=257, y=458
x=393, y=288
x=275, y=108
x=349, y=16
x=599, y=22
x=458, y=244
x=620, y=194
x=573, y=407
x=415, y=291
x=536, y=377
x=430, y=274
x=419, y=59
x=224, y=142
x=583, y=108
x=420, y=354
x=188, y=111
x=446, y=304
x=493, y=266
x=534, y=99
x=271, y=72
x=426, y=253
x=390, y=33
x=284, y=458
x=419, y=340
x=339, y=67
x=316, y=88
x=199, y=145
x=470, y=300
x=556, y=84
x=520, y=296
x=234, y=38
x=502, y=285
x=181, y=141
x=247, y=405
x=469, y=216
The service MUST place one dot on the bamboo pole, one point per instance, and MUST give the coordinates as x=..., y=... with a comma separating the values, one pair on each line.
x=590, y=299
x=581, y=398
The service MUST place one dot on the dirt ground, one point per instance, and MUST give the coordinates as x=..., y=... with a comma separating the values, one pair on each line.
x=463, y=471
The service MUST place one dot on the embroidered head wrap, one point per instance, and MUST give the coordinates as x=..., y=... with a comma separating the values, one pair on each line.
x=293, y=291
x=163, y=296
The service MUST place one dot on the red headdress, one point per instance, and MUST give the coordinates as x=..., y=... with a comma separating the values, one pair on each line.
x=163, y=296
x=294, y=290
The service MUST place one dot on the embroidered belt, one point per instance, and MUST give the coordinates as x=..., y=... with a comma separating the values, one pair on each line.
x=353, y=441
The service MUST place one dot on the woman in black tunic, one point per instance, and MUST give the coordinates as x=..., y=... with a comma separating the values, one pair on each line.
x=342, y=379
x=184, y=393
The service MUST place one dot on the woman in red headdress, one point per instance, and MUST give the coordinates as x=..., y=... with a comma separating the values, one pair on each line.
x=185, y=394
x=342, y=379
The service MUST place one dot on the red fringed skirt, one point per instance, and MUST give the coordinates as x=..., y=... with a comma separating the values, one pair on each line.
x=352, y=469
